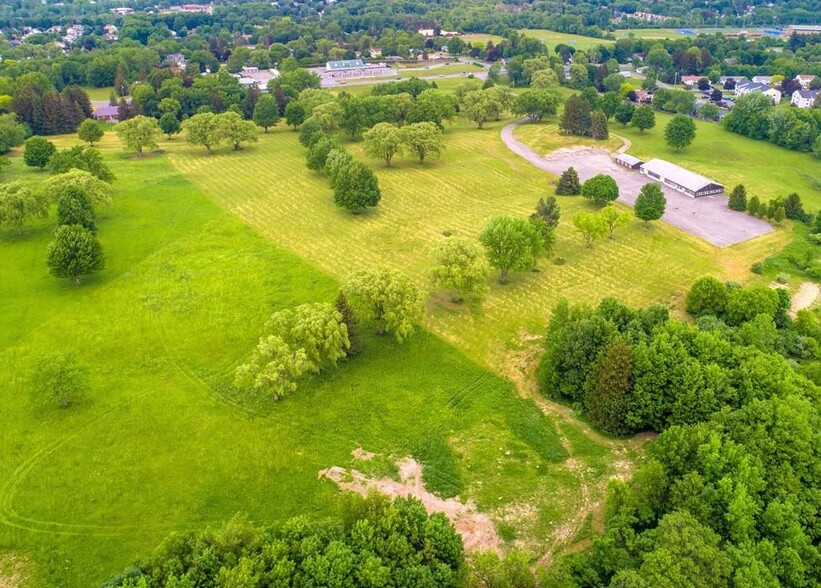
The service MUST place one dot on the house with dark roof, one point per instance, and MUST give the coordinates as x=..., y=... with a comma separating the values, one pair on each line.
x=680, y=179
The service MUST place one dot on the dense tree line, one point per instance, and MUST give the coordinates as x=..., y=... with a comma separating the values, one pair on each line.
x=375, y=543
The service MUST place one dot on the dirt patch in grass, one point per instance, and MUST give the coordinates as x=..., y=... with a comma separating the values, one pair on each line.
x=476, y=528
x=805, y=297
x=12, y=570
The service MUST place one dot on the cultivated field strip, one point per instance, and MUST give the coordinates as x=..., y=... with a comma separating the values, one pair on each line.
x=269, y=186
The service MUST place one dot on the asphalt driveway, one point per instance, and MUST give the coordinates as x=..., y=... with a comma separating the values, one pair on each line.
x=707, y=217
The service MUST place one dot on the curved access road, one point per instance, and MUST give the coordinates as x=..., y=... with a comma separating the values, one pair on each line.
x=707, y=217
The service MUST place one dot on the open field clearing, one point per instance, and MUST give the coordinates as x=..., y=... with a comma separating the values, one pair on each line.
x=423, y=202
x=162, y=444
x=552, y=38
x=481, y=39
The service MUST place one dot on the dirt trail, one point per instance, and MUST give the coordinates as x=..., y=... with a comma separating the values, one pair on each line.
x=805, y=297
x=477, y=530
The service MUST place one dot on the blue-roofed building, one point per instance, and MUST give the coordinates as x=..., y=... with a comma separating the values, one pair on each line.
x=344, y=64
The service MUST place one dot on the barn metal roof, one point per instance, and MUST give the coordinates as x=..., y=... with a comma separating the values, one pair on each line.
x=683, y=177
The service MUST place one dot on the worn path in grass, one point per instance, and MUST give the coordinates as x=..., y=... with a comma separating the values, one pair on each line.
x=708, y=218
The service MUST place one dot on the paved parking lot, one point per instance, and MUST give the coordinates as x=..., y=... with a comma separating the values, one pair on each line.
x=707, y=217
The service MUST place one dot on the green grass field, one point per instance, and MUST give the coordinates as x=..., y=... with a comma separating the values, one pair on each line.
x=552, y=38
x=717, y=153
x=162, y=445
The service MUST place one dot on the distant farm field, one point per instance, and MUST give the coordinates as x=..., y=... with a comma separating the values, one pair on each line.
x=552, y=38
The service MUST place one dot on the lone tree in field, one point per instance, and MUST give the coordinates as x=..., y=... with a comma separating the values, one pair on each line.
x=592, y=226
x=601, y=189
x=383, y=141
x=203, y=129
x=90, y=131
x=74, y=252
x=266, y=112
x=650, y=203
x=74, y=208
x=139, y=133
x=738, y=198
x=643, y=118
x=98, y=191
x=613, y=219
x=509, y=244
x=624, y=113
x=680, y=132
x=460, y=265
x=356, y=187
x=59, y=379
x=169, y=124
x=236, y=130
x=391, y=299
x=568, y=183
x=18, y=205
x=37, y=152
x=423, y=139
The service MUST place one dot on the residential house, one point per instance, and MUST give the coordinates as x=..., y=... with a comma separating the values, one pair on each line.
x=690, y=81
x=680, y=179
x=804, y=98
x=805, y=80
x=763, y=80
x=110, y=114
x=752, y=87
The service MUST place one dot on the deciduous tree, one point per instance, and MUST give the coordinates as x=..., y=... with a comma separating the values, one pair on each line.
x=140, y=132
x=318, y=153
x=613, y=219
x=235, y=130
x=592, y=226
x=97, y=191
x=509, y=242
x=356, y=187
x=38, y=151
x=536, y=104
x=58, y=378
x=650, y=203
x=624, y=113
x=12, y=133
x=18, y=205
x=90, y=131
x=203, y=129
x=680, y=132
x=460, y=265
x=74, y=208
x=601, y=189
x=390, y=298
x=169, y=124
x=644, y=117
x=383, y=141
x=707, y=296
x=74, y=252
x=423, y=139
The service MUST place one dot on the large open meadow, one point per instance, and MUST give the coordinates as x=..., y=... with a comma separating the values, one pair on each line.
x=162, y=444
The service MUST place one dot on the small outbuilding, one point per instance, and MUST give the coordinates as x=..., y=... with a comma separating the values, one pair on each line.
x=109, y=114
x=680, y=179
x=628, y=161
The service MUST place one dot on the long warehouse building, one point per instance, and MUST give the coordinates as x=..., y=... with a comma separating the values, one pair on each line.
x=680, y=179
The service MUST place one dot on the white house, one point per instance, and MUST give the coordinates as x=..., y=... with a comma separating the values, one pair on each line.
x=804, y=80
x=804, y=98
x=763, y=80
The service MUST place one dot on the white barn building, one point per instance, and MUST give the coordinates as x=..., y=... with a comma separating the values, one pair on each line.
x=680, y=179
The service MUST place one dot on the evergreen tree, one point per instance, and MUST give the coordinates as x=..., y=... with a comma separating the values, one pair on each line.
x=569, y=183
x=650, y=203
x=779, y=214
x=124, y=110
x=351, y=323
x=794, y=208
x=576, y=118
x=609, y=386
x=753, y=206
x=548, y=211
x=598, y=126
x=738, y=198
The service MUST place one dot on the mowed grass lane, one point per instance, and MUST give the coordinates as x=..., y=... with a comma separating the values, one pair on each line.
x=269, y=186
x=160, y=445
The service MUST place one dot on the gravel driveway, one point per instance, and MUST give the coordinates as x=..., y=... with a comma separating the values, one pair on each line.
x=707, y=217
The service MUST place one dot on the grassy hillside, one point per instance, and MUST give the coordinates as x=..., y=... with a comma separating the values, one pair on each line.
x=163, y=445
